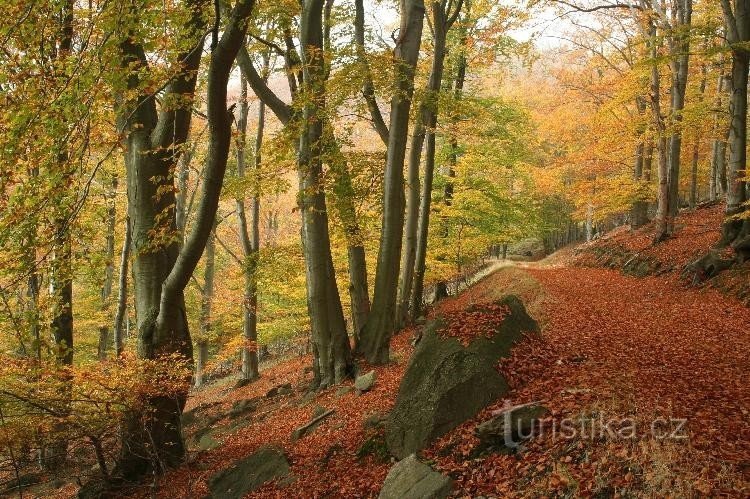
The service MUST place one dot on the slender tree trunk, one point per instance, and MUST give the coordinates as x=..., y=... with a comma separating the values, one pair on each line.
x=638, y=210
x=425, y=125
x=250, y=237
x=122, y=293
x=368, y=88
x=662, y=211
x=717, y=179
x=680, y=53
x=416, y=296
x=109, y=269
x=343, y=192
x=207, y=298
x=376, y=335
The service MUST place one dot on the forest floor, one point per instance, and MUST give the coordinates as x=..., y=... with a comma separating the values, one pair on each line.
x=653, y=370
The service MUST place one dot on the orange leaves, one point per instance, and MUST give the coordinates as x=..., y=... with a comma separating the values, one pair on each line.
x=479, y=321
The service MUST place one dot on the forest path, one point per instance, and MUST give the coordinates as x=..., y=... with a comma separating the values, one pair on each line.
x=647, y=351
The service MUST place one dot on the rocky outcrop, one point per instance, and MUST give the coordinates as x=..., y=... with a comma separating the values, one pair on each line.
x=410, y=478
x=248, y=474
x=446, y=383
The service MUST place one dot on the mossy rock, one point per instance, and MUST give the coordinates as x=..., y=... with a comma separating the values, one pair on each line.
x=446, y=383
x=249, y=474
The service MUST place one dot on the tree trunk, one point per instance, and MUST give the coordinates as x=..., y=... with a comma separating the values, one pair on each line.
x=376, y=335
x=425, y=125
x=109, y=268
x=680, y=53
x=717, y=180
x=152, y=139
x=662, y=211
x=735, y=193
x=250, y=238
x=326, y=314
x=207, y=298
x=638, y=210
x=122, y=293
x=368, y=88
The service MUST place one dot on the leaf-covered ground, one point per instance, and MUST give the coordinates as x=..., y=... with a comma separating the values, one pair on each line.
x=635, y=354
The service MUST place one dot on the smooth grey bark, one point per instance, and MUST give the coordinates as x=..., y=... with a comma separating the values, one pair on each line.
x=331, y=349
x=207, y=298
x=415, y=292
x=109, y=266
x=662, y=210
x=250, y=238
x=639, y=208
x=376, y=335
x=331, y=343
x=718, y=177
x=679, y=47
x=122, y=292
x=368, y=88
x=734, y=230
x=152, y=141
x=693, y=196
x=344, y=197
x=425, y=125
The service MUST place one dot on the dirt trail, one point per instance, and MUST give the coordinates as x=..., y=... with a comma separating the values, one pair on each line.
x=613, y=348
x=618, y=347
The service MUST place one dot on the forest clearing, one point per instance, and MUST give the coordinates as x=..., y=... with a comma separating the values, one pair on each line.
x=374, y=248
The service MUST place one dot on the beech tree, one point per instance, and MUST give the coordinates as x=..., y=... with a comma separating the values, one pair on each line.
x=381, y=323
x=735, y=230
x=152, y=138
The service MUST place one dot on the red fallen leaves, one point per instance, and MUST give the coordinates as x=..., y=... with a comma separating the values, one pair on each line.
x=612, y=345
x=695, y=232
x=479, y=321
x=623, y=347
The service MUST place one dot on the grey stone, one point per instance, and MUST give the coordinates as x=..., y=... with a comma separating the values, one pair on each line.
x=508, y=428
x=248, y=474
x=410, y=478
x=365, y=382
x=446, y=383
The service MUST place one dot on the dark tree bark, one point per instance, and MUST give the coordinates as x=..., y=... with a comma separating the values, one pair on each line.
x=368, y=88
x=109, y=269
x=416, y=292
x=376, y=335
x=122, y=293
x=662, y=211
x=326, y=313
x=152, y=141
x=693, y=199
x=426, y=122
x=250, y=238
x=639, y=208
x=734, y=230
x=207, y=299
x=331, y=349
x=682, y=12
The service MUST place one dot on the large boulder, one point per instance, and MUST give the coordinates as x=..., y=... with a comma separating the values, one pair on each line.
x=365, y=382
x=249, y=473
x=415, y=480
x=446, y=383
